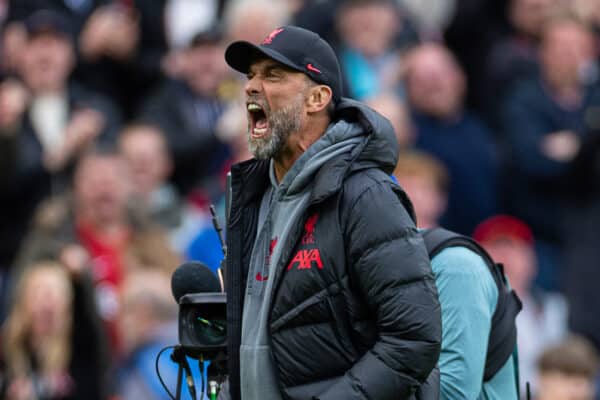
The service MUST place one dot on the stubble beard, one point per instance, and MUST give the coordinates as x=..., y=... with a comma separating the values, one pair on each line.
x=282, y=123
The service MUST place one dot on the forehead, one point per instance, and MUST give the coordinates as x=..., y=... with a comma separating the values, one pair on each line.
x=47, y=277
x=48, y=35
x=568, y=30
x=141, y=133
x=99, y=166
x=264, y=64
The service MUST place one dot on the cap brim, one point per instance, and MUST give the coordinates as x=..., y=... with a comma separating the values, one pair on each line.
x=240, y=55
x=47, y=21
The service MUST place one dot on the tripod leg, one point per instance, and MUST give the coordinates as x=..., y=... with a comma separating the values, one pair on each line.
x=179, y=380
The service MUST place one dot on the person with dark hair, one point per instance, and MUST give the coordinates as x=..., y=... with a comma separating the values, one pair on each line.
x=45, y=124
x=372, y=34
x=582, y=229
x=514, y=57
x=119, y=43
x=448, y=130
x=187, y=108
x=545, y=120
x=14, y=33
x=330, y=291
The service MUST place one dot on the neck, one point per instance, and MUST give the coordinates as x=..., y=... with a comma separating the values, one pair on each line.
x=144, y=194
x=296, y=145
x=450, y=116
x=39, y=343
x=568, y=95
x=49, y=89
x=109, y=229
x=566, y=91
x=426, y=223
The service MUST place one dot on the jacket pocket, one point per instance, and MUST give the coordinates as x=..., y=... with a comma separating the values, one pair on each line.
x=318, y=297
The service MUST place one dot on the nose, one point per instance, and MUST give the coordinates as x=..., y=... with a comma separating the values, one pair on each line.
x=252, y=86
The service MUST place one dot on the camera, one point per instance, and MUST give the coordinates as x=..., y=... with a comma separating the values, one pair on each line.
x=203, y=325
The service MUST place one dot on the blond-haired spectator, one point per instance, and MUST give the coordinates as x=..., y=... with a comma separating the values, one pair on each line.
x=425, y=180
x=568, y=371
x=52, y=341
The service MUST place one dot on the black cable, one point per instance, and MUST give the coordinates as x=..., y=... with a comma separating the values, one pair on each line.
x=189, y=378
x=158, y=371
x=201, y=367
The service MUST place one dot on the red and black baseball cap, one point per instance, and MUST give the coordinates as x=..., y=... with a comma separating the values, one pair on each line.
x=503, y=227
x=296, y=48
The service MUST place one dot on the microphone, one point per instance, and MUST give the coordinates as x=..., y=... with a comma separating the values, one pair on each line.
x=202, y=310
x=193, y=277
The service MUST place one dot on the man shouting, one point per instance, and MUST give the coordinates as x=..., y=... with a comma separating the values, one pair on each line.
x=330, y=290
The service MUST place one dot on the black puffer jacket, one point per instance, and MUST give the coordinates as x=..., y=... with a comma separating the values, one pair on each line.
x=355, y=313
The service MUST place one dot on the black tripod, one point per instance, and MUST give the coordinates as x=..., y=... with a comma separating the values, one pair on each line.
x=216, y=373
x=179, y=356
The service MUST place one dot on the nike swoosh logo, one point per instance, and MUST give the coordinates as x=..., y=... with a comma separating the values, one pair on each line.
x=261, y=278
x=310, y=67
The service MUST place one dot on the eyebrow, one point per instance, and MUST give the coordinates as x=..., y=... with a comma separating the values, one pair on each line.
x=270, y=66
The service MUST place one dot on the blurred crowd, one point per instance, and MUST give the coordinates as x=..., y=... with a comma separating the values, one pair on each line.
x=119, y=121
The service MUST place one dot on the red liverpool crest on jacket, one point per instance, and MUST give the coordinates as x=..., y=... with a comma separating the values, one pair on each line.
x=308, y=254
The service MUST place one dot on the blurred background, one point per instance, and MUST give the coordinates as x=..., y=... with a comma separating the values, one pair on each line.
x=120, y=119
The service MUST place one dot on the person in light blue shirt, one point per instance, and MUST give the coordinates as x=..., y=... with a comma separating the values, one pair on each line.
x=468, y=297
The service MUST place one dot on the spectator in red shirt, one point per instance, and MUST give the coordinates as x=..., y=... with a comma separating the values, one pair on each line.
x=98, y=228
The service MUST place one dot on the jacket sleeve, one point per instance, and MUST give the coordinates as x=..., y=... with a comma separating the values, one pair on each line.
x=390, y=268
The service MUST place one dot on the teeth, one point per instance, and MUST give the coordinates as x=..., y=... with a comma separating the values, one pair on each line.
x=260, y=131
x=254, y=107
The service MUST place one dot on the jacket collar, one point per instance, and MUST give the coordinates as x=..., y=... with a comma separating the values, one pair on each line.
x=250, y=178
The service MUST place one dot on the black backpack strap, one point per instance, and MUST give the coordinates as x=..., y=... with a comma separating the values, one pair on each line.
x=503, y=332
x=503, y=336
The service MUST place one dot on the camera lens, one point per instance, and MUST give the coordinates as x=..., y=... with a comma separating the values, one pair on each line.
x=203, y=325
x=207, y=331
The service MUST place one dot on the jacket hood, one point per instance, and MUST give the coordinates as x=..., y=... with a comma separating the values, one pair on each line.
x=381, y=149
x=340, y=140
x=357, y=137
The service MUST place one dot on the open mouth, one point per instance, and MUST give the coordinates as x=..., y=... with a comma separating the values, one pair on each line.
x=259, y=124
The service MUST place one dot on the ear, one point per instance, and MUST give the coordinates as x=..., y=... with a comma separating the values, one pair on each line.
x=319, y=96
